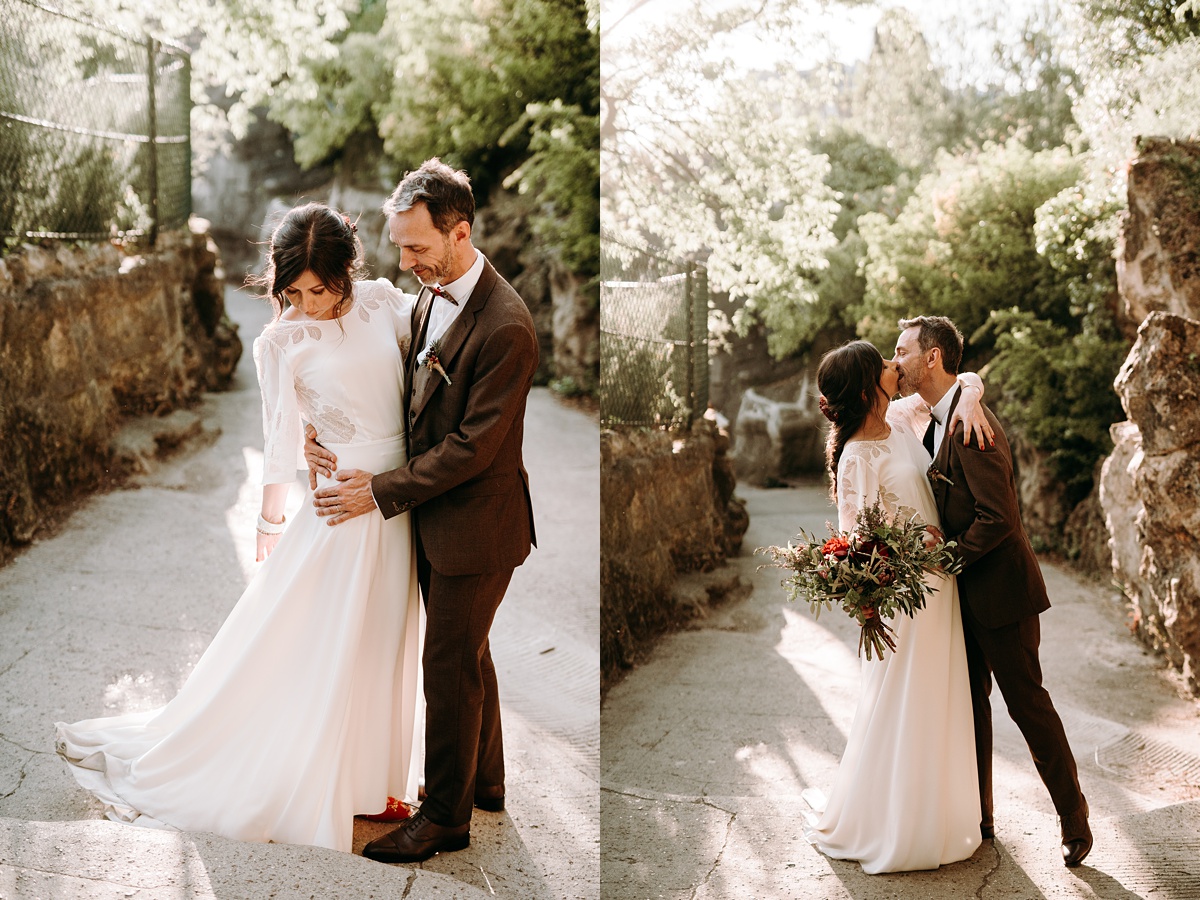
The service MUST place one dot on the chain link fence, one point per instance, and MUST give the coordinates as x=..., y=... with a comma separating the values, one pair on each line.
x=94, y=128
x=653, y=338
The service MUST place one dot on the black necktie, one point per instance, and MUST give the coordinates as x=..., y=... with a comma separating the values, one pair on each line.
x=928, y=439
x=439, y=291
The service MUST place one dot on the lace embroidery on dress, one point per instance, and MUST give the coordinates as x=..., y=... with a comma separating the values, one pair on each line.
x=328, y=420
x=363, y=304
x=284, y=333
x=850, y=499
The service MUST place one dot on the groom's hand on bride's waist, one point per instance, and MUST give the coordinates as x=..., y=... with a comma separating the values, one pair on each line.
x=349, y=498
x=317, y=457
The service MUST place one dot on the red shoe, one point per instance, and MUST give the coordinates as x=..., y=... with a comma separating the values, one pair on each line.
x=396, y=811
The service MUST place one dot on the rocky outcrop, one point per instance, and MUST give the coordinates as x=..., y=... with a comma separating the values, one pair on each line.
x=1043, y=496
x=669, y=509
x=1151, y=488
x=1158, y=251
x=91, y=336
x=779, y=432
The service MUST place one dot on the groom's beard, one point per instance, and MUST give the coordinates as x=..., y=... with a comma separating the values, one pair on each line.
x=907, y=387
x=437, y=274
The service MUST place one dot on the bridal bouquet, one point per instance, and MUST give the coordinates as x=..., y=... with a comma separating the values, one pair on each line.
x=872, y=572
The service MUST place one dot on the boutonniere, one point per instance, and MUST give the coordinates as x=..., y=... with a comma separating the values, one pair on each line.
x=935, y=476
x=432, y=363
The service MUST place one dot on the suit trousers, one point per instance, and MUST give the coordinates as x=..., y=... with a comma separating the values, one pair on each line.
x=1010, y=655
x=464, y=748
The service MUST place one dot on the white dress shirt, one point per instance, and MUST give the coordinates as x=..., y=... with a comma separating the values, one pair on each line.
x=940, y=411
x=443, y=313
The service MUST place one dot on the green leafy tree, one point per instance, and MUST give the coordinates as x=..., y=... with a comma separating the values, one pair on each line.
x=901, y=101
x=964, y=245
x=1006, y=245
x=507, y=90
x=701, y=159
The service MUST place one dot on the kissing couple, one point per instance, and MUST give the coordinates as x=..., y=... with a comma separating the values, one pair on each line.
x=358, y=656
x=914, y=786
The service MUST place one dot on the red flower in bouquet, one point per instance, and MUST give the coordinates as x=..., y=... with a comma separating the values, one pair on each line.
x=872, y=572
x=837, y=547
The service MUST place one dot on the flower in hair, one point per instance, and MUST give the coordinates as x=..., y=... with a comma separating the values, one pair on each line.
x=826, y=411
x=353, y=227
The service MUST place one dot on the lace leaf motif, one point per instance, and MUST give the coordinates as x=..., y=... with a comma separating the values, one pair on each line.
x=862, y=453
x=328, y=420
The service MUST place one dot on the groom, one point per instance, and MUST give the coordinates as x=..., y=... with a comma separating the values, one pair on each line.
x=469, y=371
x=1001, y=590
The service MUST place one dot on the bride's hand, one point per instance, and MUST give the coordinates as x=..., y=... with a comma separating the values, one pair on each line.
x=933, y=536
x=264, y=544
x=969, y=411
x=317, y=457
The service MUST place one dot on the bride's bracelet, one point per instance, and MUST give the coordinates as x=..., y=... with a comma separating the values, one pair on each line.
x=265, y=526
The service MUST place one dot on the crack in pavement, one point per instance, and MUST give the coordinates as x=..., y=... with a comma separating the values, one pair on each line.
x=694, y=801
x=20, y=780
x=988, y=877
x=10, y=666
x=720, y=853
x=408, y=884
x=26, y=749
x=57, y=874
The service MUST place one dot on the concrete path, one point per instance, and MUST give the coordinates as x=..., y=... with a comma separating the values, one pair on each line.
x=111, y=613
x=708, y=746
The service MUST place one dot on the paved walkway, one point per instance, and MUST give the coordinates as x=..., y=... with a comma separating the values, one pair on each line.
x=708, y=745
x=111, y=613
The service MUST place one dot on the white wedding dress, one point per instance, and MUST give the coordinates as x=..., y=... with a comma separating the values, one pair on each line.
x=307, y=708
x=906, y=794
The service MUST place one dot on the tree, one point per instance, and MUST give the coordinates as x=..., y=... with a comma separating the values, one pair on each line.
x=702, y=158
x=507, y=90
x=900, y=100
x=1006, y=245
x=964, y=245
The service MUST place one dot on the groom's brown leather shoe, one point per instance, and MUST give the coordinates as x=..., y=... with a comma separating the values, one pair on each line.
x=1076, y=837
x=417, y=840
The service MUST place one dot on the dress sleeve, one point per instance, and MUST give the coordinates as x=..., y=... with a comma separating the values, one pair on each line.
x=910, y=413
x=400, y=306
x=857, y=485
x=281, y=415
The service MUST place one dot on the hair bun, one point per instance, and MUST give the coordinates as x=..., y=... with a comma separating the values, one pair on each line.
x=826, y=411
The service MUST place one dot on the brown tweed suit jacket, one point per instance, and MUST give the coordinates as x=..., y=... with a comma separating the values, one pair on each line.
x=1000, y=579
x=465, y=478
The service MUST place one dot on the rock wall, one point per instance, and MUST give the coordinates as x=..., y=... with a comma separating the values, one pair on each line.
x=89, y=336
x=1158, y=250
x=668, y=509
x=1150, y=484
x=779, y=432
x=1152, y=488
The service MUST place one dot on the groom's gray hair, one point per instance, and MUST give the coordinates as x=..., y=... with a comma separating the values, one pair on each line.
x=940, y=332
x=446, y=193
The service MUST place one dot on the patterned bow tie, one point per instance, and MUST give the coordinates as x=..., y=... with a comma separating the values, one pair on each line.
x=438, y=291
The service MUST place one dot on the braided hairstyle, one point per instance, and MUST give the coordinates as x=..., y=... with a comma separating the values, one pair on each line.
x=317, y=239
x=848, y=379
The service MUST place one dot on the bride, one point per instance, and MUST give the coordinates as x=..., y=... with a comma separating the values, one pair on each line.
x=304, y=710
x=906, y=793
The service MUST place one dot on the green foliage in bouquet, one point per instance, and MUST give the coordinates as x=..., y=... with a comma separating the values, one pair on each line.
x=872, y=572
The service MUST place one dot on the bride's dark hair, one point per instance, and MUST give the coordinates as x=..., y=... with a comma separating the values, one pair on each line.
x=313, y=238
x=848, y=379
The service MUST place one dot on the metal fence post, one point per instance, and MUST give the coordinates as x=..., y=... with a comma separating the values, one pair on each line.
x=688, y=286
x=699, y=336
x=152, y=128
